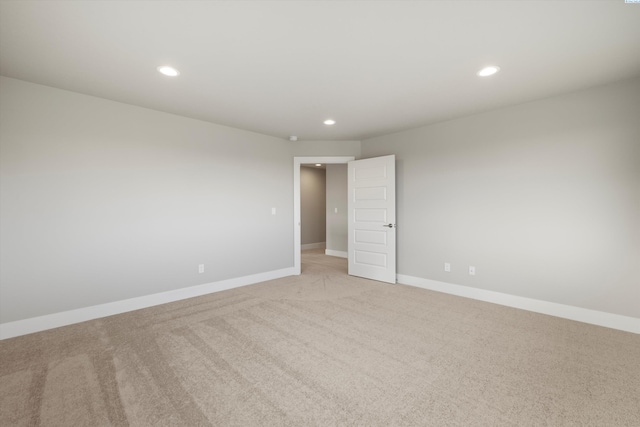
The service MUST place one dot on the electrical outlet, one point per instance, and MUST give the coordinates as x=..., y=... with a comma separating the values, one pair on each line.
x=447, y=267
x=200, y=268
x=472, y=270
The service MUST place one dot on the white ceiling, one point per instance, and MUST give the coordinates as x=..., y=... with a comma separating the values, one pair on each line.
x=281, y=68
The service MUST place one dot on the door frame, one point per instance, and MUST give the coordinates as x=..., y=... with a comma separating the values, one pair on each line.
x=297, y=162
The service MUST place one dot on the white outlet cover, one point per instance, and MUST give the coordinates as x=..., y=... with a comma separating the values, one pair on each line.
x=472, y=270
x=447, y=267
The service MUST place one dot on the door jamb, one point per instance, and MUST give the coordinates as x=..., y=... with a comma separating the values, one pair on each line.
x=297, y=161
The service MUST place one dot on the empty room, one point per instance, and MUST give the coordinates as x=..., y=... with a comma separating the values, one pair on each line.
x=320, y=213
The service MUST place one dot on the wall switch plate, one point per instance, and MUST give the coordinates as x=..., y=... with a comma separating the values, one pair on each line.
x=447, y=267
x=200, y=268
x=472, y=270
x=335, y=210
x=273, y=211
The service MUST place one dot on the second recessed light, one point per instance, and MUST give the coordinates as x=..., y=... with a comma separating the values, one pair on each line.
x=488, y=71
x=329, y=122
x=168, y=71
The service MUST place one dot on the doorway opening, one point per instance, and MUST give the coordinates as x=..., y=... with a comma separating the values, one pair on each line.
x=313, y=206
x=297, y=163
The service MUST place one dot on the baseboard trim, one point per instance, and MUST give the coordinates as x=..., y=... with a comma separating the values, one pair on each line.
x=317, y=245
x=600, y=318
x=340, y=254
x=56, y=320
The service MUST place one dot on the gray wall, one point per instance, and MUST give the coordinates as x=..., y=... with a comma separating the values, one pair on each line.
x=337, y=199
x=102, y=201
x=312, y=205
x=542, y=198
x=326, y=148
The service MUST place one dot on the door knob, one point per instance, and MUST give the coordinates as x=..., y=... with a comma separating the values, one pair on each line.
x=389, y=225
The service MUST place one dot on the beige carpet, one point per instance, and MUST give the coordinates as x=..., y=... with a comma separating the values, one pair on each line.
x=323, y=349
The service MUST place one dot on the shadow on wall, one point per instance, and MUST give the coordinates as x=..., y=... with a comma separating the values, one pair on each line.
x=312, y=207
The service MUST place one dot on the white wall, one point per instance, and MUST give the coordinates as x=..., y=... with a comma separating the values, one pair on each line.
x=542, y=198
x=312, y=205
x=337, y=199
x=102, y=201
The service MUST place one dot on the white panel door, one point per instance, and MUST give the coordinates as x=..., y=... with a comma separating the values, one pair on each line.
x=372, y=218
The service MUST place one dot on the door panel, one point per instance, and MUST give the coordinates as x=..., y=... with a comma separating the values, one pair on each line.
x=371, y=236
x=372, y=217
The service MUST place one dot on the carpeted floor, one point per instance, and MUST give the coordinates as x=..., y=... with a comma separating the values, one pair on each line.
x=323, y=349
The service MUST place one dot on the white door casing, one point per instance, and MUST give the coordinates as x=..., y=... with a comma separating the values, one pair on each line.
x=297, y=161
x=372, y=218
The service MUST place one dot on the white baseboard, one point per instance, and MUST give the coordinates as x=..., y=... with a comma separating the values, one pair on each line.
x=317, y=245
x=56, y=320
x=340, y=254
x=600, y=318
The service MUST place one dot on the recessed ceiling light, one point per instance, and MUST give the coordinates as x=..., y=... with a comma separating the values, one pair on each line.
x=329, y=122
x=318, y=164
x=488, y=71
x=168, y=71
